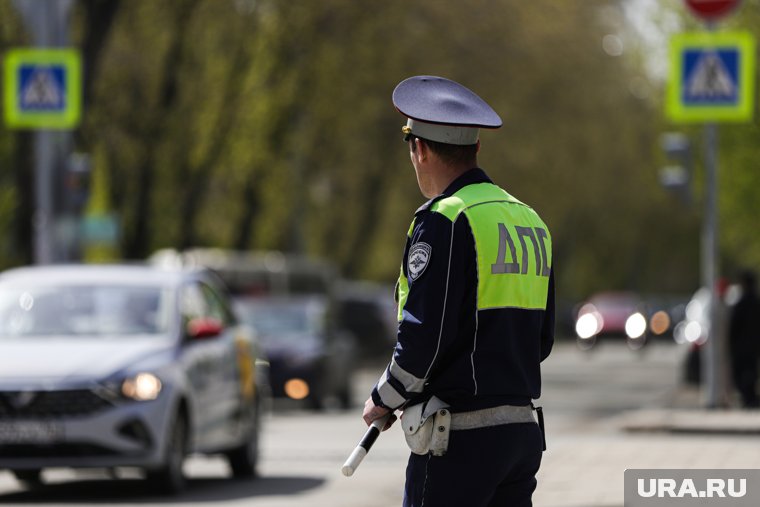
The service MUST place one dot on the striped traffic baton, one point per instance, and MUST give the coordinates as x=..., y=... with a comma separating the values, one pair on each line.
x=356, y=457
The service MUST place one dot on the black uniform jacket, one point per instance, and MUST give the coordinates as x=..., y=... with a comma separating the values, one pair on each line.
x=470, y=359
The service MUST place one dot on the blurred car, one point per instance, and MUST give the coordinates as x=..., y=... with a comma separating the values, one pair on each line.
x=257, y=273
x=124, y=366
x=310, y=358
x=614, y=314
x=694, y=331
x=695, y=326
x=369, y=312
x=664, y=312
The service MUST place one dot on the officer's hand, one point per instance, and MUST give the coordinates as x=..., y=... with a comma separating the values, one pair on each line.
x=372, y=412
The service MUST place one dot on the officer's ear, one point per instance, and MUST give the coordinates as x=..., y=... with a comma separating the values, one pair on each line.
x=477, y=149
x=422, y=150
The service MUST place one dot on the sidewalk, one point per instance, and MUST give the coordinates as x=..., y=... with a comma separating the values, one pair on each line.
x=585, y=468
x=685, y=415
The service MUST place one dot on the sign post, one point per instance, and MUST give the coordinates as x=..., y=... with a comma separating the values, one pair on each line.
x=43, y=92
x=711, y=80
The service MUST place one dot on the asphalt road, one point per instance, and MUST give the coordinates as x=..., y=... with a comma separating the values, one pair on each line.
x=303, y=451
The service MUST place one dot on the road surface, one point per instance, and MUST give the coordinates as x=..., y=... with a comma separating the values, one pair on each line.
x=303, y=451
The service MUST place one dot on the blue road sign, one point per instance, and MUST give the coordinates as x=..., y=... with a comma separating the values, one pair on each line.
x=43, y=88
x=711, y=77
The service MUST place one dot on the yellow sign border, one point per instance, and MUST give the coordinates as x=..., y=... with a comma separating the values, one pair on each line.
x=743, y=110
x=69, y=117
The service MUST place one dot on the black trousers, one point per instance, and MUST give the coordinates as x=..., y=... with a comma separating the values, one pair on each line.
x=484, y=467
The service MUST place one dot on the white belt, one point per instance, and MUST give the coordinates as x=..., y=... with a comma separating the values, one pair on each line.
x=506, y=414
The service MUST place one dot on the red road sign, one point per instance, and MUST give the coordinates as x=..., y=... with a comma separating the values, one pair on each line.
x=711, y=9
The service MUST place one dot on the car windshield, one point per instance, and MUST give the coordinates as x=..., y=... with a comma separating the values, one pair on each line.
x=283, y=319
x=615, y=303
x=80, y=310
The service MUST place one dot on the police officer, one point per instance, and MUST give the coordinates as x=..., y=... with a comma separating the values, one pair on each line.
x=476, y=314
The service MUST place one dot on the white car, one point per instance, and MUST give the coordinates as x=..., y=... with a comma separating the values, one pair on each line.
x=124, y=366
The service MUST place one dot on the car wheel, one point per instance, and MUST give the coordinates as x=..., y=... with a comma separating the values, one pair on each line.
x=316, y=401
x=344, y=397
x=243, y=460
x=169, y=478
x=636, y=343
x=29, y=478
x=586, y=344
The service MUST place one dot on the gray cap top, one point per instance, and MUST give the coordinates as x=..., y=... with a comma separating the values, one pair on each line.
x=442, y=110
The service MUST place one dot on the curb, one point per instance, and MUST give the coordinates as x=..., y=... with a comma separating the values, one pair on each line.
x=718, y=422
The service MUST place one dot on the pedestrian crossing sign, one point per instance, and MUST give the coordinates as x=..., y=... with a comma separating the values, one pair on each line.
x=42, y=88
x=712, y=77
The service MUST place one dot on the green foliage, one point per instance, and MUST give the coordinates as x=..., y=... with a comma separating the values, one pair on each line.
x=12, y=163
x=738, y=159
x=266, y=124
x=739, y=163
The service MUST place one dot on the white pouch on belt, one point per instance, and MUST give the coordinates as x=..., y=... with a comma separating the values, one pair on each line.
x=426, y=427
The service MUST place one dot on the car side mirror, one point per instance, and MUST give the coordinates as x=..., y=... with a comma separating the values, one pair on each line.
x=202, y=328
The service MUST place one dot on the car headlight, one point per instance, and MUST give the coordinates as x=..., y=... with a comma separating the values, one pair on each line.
x=693, y=332
x=635, y=325
x=296, y=388
x=588, y=325
x=142, y=387
x=659, y=323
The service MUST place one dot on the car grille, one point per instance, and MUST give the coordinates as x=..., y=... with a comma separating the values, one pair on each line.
x=67, y=450
x=50, y=404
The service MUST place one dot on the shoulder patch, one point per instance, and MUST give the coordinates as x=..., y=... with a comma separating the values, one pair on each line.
x=418, y=260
